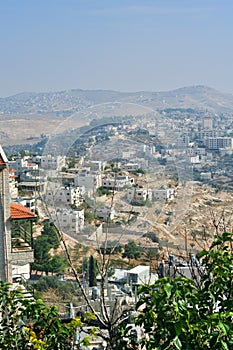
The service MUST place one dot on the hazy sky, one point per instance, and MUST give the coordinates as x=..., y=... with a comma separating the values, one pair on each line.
x=115, y=44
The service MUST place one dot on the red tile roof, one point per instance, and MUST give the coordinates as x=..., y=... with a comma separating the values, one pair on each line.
x=2, y=161
x=18, y=211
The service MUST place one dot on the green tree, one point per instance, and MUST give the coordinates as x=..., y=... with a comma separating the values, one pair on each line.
x=66, y=291
x=103, y=191
x=92, y=271
x=50, y=231
x=41, y=250
x=28, y=324
x=56, y=265
x=196, y=314
x=47, y=282
x=131, y=251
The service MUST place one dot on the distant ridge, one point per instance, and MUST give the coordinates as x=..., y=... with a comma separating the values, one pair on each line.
x=27, y=116
x=198, y=97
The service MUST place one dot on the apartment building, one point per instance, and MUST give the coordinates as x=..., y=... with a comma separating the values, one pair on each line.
x=215, y=143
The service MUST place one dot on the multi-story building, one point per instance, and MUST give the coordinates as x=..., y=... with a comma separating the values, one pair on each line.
x=105, y=213
x=163, y=193
x=208, y=122
x=118, y=183
x=183, y=141
x=50, y=162
x=138, y=195
x=215, y=143
x=131, y=166
x=64, y=195
x=209, y=133
x=68, y=220
x=22, y=166
x=90, y=180
x=193, y=158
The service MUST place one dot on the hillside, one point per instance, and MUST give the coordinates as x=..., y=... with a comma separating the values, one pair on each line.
x=27, y=115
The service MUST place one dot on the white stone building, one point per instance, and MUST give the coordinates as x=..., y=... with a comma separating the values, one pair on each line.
x=193, y=158
x=118, y=183
x=50, y=162
x=22, y=166
x=64, y=195
x=131, y=166
x=139, y=275
x=136, y=194
x=68, y=220
x=105, y=213
x=163, y=193
x=29, y=203
x=90, y=180
x=215, y=143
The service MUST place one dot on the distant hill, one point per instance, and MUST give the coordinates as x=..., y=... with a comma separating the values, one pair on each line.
x=198, y=97
x=46, y=110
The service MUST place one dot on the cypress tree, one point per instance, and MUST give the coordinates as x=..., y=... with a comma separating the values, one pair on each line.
x=92, y=272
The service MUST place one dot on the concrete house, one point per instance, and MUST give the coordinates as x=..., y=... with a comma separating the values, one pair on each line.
x=50, y=162
x=22, y=166
x=90, y=180
x=105, y=213
x=138, y=195
x=64, y=195
x=163, y=193
x=118, y=183
x=68, y=220
x=139, y=275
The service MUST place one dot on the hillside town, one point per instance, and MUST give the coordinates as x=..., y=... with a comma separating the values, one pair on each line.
x=146, y=193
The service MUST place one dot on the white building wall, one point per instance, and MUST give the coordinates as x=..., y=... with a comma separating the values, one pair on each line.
x=69, y=220
x=91, y=182
x=139, y=194
x=52, y=162
x=105, y=213
x=65, y=195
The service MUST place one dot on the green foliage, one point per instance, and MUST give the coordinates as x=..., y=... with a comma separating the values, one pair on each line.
x=29, y=324
x=50, y=231
x=56, y=265
x=89, y=216
x=41, y=250
x=131, y=251
x=140, y=171
x=109, y=247
x=189, y=314
x=111, y=271
x=103, y=191
x=42, y=245
x=152, y=236
x=47, y=282
x=76, y=251
x=65, y=290
x=92, y=271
